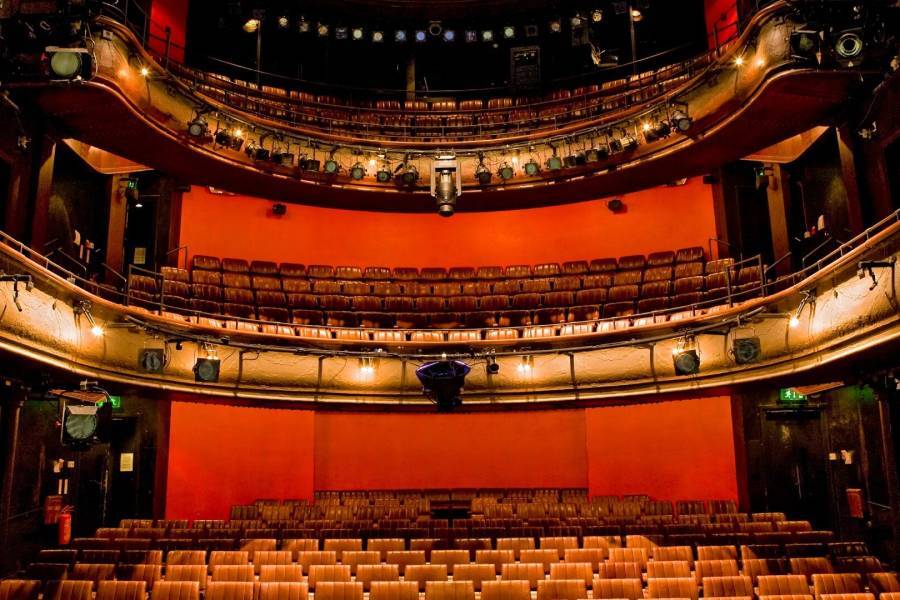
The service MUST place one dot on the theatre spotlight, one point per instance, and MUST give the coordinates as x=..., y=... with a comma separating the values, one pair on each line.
x=332, y=167
x=322, y=29
x=357, y=171
x=377, y=36
x=449, y=35
x=849, y=48
x=446, y=184
x=207, y=369
x=509, y=32
x=443, y=381
x=251, y=25
x=597, y=153
x=471, y=36
x=687, y=362
x=69, y=63
x=681, y=121
x=626, y=143
x=282, y=157
x=596, y=15
x=806, y=45
x=532, y=168
x=656, y=131
x=256, y=152
x=435, y=29
x=526, y=365
x=303, y=25
x=341, y=33
x=487, y=35
x=576, y=21
x=383, y=175
x=421, y=36
x=400, y=36
x=746, y=350
x=357, y=33
x=308, y=164
x=198, y=128
x=83, y=308
x=554, y=161
x=482, y=174
x=409, y=175
x=283, y=22
x=492, y=366
x=555, y=26
x=506, y=171
x=636, y=15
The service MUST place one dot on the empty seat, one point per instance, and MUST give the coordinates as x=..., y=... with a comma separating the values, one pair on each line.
x=592, y=556
x=733, y=586
x=567, y=570
x=609, y=589
x=779, y=585
x=394, y=590
x=281, y=590
x=121, y=590
x=433, y=274
x=516, y=545
x=474, y=573
x=449, y=590
x=233, y=573
x=523, y=571
x=634, y=555
x=810, y=566
x=884, y=582
x=95, y=572
x=517, y=271
x=327, y=573
x=425, y=573
x=561, y=589
x=505, y=590
x=278, y=573
x=187, y=573
x=716, y=553
x=840, y=583
x=673, y=553
x=692, y=254
x=369, y=573
x=620, y=570
x=208, y=263
x=19, y=589
x=660, y=259
x=674, y=587
x=716, y=568
x=546, y=557
x=635, y=261
x=339, y=590
x=318, y=271
x=70, y=590
x=668, y=569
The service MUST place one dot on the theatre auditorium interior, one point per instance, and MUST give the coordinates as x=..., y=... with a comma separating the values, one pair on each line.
x=449, y=299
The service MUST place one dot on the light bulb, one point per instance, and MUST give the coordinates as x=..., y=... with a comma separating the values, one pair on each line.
x=794, y=322
x=97, y=330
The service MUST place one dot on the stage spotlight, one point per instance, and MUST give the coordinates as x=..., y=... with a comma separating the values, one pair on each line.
x=532, y=168
x=636, y=15
x=506, y=172
x=746, y=350
x=597, y=153
x=251, y=26
x=526, y=365
x=400, y=36
x=575, y=160
x=145, y=72
x=421, y=36
x=443, y=381
x=449, y=35
x=687, y=362
x=198, y=128
x=435, y=28
x=487, y=35
x=626, y=143
x=509, y=32
x=282, y=157
x=492, y=366
x=471, y=36
x=377, y=36
x=739, y=61
x=331, y=166
x=256, y=152
x=482, y=174
x=367, y=366
x=576, y=21
x=206, y=369
x=308, y=164
x=357, y=171
x=596, y=15
x=409, y=175
x=555, y=26
x=849, y=47
x=531, y=31
x=357, y=33
x=341, y=33
x=69, y=63
x=806, y=44
x=322, y=30
x=446, y=184
x=681, y=121
x=656, y=131
x=303, y=25
x=383, y=175
x=554, y=163
x=283, y=22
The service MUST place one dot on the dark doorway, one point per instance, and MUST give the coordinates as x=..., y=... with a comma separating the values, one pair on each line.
x=892, y=168
x=4, y=192
x=796, y=464
x=756, y=231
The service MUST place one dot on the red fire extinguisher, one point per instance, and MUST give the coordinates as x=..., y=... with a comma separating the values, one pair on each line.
x=64, y=526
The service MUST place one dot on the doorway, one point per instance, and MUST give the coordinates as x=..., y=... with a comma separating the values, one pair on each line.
x=795, y=461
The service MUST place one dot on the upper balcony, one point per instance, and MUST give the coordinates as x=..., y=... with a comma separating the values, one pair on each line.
x=649, y=129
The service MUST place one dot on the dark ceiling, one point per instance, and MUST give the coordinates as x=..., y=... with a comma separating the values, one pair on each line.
x=668, y=31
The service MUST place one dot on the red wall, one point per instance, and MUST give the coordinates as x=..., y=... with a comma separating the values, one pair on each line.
x=721, y=15
x=174, y=15
x=664, y=218
x=223, y=455
x=669, y=450
x=472, y=450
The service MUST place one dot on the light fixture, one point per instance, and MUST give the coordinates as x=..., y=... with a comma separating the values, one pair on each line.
x=685, y=357
x=746, y=350
x=532, y=168
x=509, y=32
x=435, y=28
x=377, y=36
x=526, y=365
x=322, y=29
x=636, y=15
x=145, y=72
x=760, y=63
x=446, y=184
x=487, y=35
x=206, y=370
x=449, y=35
x=554, y=162
x=471, y=36
x=443, y=381
x=283, y=22
x=84, y=308
x=357, y=33
x=849, y=47
x=400, y=36
x=506, y=171
x=492, y=366
x=596, y=15
x=409, y=175
x=341, y=33
x=808, y=298
x=367, y=366
x=251, y=26
x=656, y=131
x=331, y=166
x=69, y=63
x=383, y=175
x=282, y=157
x=681, y=121
x=576, y=21
x=739, y=61
x=303, y=25
x=531, y=31
x=421, y=36
x=256, y=151
x=597, y=153
x=555, y=26
x=483, y=175
x=806, y=44
x=626, y=143
x=357, y=171
x=198, y=127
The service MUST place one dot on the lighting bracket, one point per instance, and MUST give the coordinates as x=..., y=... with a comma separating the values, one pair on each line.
x=16, y=278
x=867, y=267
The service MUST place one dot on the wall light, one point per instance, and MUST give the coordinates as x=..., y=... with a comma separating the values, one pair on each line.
x=526, y=365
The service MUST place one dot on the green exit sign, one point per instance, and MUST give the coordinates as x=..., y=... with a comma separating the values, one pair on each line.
x=114, y=401
x=790, y=395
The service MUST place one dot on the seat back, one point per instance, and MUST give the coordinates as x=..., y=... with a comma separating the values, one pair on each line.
x=739, y=585
x=367, y=574
x=779, y=585
x=505, y=590
x=233, y=573
x=228, y=557
x=669, y=553
x=572, y=570
x=450, y=558
x=629, y=589
x=19, y=589
x=121, y=590
x=840, y=583
x=560, y=544
x=330, y=573
x=309, y=558
x=394, y=590
x=475, y=573
x=186, y=557
x=716, y=568
x=495, y=557
x=229, y=590
x=425, y=573
x=716, y=553
x=339, y=590
x=385, y=545
x=592, y=556
x=672, y=587
x=668, y=569
x=449, y=590
x=629, y=555
x=187, y=573
x=546, y=557
x=405, y=558
x=620, y=570
x=561, y=589
x=72, y=590
x=810, y=566
x=283, y=590
x=523, y=571
x=281, y=573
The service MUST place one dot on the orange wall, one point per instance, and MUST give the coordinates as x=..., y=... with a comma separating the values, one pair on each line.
x=663, y=218
x=670, y=450
x=471, y=450
x=223, y=455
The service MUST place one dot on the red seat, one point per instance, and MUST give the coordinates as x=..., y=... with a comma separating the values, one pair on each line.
x=558, y=299
x=366, y=303
x=236, y=280
x=307, y=317
x=547, y=270
x=267, y=298
x=692, y=254
x=584, y=313
x=549, y=316
x=658, y=274
x=355, y=288
x=494, y=303
x=415, y=288
x=660, y=259
x=429, y=304
x=526, y=301
x=635, y=261
x=296, y=286
x=477, y=288
x=597, y=280
x=507, y=286
x=306, y=301
x=386, y=289
x=461, y=273
x=603, y=265
x=489, y=272
x=447, y=289
x=462, y=304
x=575, y=267
x=593, y=296
x=433, y=274
x=263, y=267
x=326, y=287
x=656, y=289
x=334, y=302
x=206, y=277
x=237, y=295
x=377, y=273
x=536, y=286
x=633, y=276
x=518, y=271
x=207, y=263
x=348, y=273
x=319, y=271
x=202, y=291
x=514, y=318
x=235, y=265
x=398, y=304
x=690, y=269
x=405, y=273
x=292, y=270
